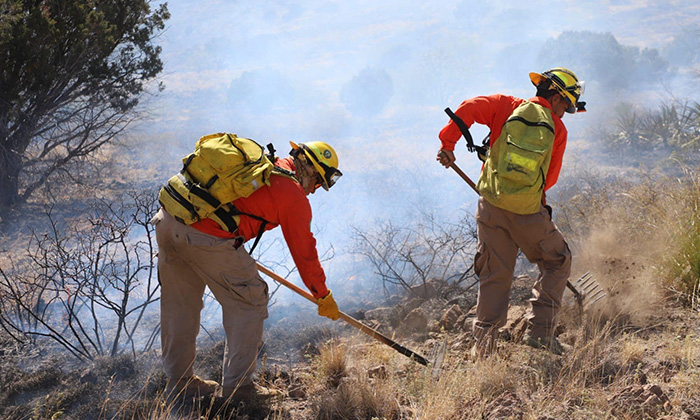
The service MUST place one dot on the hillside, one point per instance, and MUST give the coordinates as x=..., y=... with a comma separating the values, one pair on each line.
x=634, y=354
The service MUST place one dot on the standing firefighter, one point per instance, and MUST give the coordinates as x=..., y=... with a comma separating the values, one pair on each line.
x=201, y=230
x=528, y=139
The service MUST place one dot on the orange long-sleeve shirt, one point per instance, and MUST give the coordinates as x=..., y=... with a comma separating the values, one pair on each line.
x=283, y=204
x=493, y=111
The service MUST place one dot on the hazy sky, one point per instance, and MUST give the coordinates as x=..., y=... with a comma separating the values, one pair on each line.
x=372, y=78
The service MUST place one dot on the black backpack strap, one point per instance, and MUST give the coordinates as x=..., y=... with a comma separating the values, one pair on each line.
x=261, y=230
x=259, y=235
x=187, y=163
x=271, y=153
x=199, y=191
x=227, y=218
x=281, y=171
x=481, y=151
x=181, y=201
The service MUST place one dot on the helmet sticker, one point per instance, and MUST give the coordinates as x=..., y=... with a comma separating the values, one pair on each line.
x=327, y=154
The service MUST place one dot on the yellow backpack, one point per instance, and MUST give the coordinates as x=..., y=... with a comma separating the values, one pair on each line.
x=514, y=174
x=223, y=168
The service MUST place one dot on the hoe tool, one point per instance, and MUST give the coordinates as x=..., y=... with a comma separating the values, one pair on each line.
x=586, y=289
x=362, y=327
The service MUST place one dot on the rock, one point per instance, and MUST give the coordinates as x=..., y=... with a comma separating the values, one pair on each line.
x=468, y=319
x=652, y=401
x=297, y=392
x=358, y=314
x=655, y=389
x=450, y=318
x=393, y=300
x=380, y=314
x=434, y=328
x=415, y=321
x=413, y=304
x=645, y=401
x=516, y=324
x=506, y=406
x=377, y=372
x=426, y=290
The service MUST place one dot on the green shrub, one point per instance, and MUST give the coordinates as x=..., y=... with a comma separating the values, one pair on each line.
x=683, y=266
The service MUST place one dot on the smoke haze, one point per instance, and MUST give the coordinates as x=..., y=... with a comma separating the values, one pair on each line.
x=372, y=79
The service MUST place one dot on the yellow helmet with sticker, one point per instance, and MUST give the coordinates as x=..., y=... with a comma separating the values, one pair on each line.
x=566, y=83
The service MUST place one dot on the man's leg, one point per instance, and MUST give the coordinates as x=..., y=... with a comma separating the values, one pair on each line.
x=232, y=276
x=493, y=264
x=543, y=244
x=244, y=298
x=180, y=301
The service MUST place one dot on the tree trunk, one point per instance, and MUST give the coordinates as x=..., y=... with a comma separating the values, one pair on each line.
x=10, y=166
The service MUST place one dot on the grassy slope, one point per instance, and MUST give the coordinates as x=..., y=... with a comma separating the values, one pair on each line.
x=634, y=356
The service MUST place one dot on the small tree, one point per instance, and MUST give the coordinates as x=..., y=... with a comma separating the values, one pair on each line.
x=411, y=256
x=71, y=75
x=86, y=287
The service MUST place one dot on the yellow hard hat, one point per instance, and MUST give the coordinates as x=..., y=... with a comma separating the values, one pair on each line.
x=566, y=83
x=324, y=159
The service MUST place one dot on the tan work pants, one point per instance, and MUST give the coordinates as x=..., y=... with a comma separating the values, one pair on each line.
x=500, y=234
x=189, y=260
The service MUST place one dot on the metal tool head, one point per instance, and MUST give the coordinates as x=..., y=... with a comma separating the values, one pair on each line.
x=589, y=290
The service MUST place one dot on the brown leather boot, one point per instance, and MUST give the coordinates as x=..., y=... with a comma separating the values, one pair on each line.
x=249, y=393
x=194, y=386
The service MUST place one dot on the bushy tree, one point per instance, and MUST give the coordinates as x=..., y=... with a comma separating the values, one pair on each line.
x=600, y=57
x=684, y=48
x=71, y=75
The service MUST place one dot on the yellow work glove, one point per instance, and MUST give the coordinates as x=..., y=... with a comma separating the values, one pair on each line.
x=328, y=308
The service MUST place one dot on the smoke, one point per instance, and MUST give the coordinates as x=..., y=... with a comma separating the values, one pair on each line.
x=372, y=79
x=368, y=92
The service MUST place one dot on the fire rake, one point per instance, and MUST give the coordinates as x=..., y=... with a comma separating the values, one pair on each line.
x=360, y=326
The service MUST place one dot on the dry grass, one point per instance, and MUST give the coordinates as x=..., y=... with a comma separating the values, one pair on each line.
x=642, y=239
x=355, y=379
x=349, y=392
x=637, y=238
x=332, y=363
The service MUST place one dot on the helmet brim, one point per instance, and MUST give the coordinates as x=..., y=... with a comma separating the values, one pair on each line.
x=537, y=78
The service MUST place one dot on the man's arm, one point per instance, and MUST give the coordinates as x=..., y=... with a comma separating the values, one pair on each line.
x=295, y=221
x=482, y=110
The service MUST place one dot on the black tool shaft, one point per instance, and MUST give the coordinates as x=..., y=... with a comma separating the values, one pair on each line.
x=347, y=318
